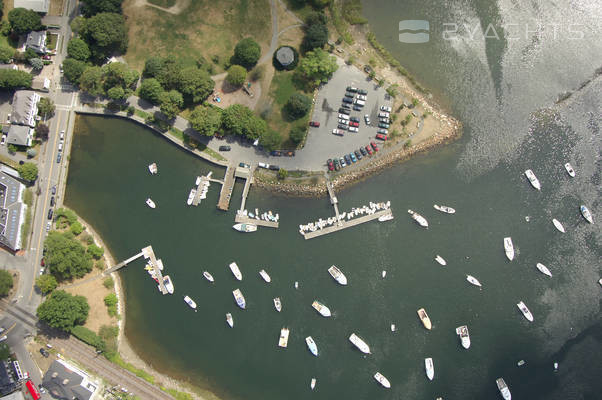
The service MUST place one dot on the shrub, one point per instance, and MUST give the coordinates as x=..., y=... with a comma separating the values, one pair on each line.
x=236, y=76
x=108, y=282
x=28, y=171
x=76, y=228
x=297, y=134
x=282, y=173
x=247, y=53
x=47, y=283
x=297, y=105
x=111, y=303
x=6, y=282
x=257, y=73
x=89, y=337
x=95, y=251
x=100, y=265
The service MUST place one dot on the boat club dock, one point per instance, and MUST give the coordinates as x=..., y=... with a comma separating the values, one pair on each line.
x=202, y=183
x=149, y=255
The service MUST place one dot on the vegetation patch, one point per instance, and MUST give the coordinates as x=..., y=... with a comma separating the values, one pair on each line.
x=339, y=22
x=352, y=11
x=6, y=282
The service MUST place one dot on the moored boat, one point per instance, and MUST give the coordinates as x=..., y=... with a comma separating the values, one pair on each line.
x=386, y=217
x=321, y=308
x=419, y=219
x=190, y=302
x=246, y=228
x=277, y=304
x=393, y=328
x=311, y=345
x=283, y=340
x=462, y=331
x=509, y=248
x=440, y=260
x=520, y=363
x=235, y=271
x=533, y=179
x=523, y=308
x=380, y=378
x=383, y=274
x=444, y=209
x=600, y=281
x=265, y=276
x=168, y=284
x=208, y=276
x=558, y=225
x=230, y=320
x=150, y=203
x=430, y=368
x=473, y=280
x=198, y=180
x=543, y=269
x=191, y=196
x=359, y=343
x=152, y=168
x=337, y=275
x=240, y=299
x=569, y=170
x=426, y=321
x=503, y=388
x=312, y=385
x=586, y=214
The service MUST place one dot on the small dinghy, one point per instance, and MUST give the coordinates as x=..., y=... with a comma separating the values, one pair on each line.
x=152, y=168
x=430, y=368
x=384, y=273
x=521, y=363
x=277, y=304
x=569, y=170
x=312, y=385
x=543, y=269
x=558, y=225
x=473, y=280
x=208, y=276
x=440, y=260
x=444, y=209
x=230, y=320
x=393, y=328
x=150, y=203
x=586, y=214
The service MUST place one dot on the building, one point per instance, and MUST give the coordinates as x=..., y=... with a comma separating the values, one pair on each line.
x=36, y=40
x=66, y=382
x=41, y=83
x=14, y=396
x=9, y=66
x=25, y=108
x=20, y=135
x=285, y=56
x=40, y=6
x=8, y=384
x=12, y=211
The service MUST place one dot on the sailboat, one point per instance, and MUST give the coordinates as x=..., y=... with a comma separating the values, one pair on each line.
x=558, y=225
x=523, y=308
x=509, y=248
x=533, y=179
x=440, y=260
x=230, y=320
x=312, y=385
x=208, y=276
x=235, y=271
x=586, y=214
x=152, y=168
x=543, y=269
x=444, y=209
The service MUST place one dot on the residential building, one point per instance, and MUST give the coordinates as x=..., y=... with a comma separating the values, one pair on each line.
x=25, y=108
x=64, y=381
x=12, y=211
x=41, y=83
x=40, y=6
x=13, y=396
x=20, y=135
x=36, y=41
x=8, y=383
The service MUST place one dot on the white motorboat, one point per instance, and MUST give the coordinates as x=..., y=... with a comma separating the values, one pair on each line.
x=277, y=304
x=168, y=284
x=520, y=363
x=440, y=260
x=246, y=228
x=393, y=328
x=426, y=321
x=533, y=179
x=235, y=271
x=473, y=280
x=208, y=276
x=321, y=308
x=384, y=274
x=444, y=209
x=419, y=219
x=543, y=269
x=555, y=367
x=509, y=248
x=503, y=388
x=558, y=225
x=337, y=275
x=296, y=285
x=380, y=378
x=198, y=180
x=152, y=168
x=240, y=299
x=312, y=385
x=283, y=340
x=462, y=331
x=191, y=196
x=430, y=368
x=359, y=343
x=150, y=203
x=523, y=308
x=265, y=276
x=600, y=281
x=311, y=345
x=230, y=320
x=586, y=214
x=386, y=217
x=569, y=170
x=190, y=303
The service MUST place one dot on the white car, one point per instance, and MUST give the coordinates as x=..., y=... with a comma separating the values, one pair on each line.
x=383, y=114
x=362, y=97
x=385, y=108
x=343, y=116
x=367, y=119
x=263, y=165
x=48, y=224
x=62, y=135
x=3, y=338
x=353, y=129
x=3, y=141
x=337, y=132
x=343, y=121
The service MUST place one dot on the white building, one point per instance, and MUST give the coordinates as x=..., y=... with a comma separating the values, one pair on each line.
x=25, y=108
x=40, y=6
x=36, y=40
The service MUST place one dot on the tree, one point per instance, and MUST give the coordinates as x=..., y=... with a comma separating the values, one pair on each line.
x=91, y=81
x=171, y=103
x=36, y=63
x=93, y=7
x=195, y=84
x=240, y=120
x=116, y=93
x=28, y=171
x=151, y=90
x=236, y=75
x=297, y=134
x=76, y=228
x=63, y=310
x=95, y=251
x=246, y=53
x=47, y=283
x=316, y=36
x=66, y=258
x=6, y=53
x=31, y=153
x=153, y=67
x=270, y=140
x=105, y=34
x=170, y=74
x=10, y=78
x=282, y=173
x=118, y=74
x=316, y=67
x=78, y=49
x=73, y=69
x=46, y=107
x=6, y=282
x=24, y=21
x=42, y=131
x=206, y=120
x=297, y=105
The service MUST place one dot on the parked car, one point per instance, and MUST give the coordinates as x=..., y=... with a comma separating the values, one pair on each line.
x=353, y=129
x=359, y=102
x=374, y=146
x=352, y=156
x=415, y=113
x=62, y=135
x=344, y=111
x=383, y=125
x=44, y=352
x=337, y=132
x=383, y=131
x=363, y=151
x=350, y=95
x=342, y=126
x=384, y=120
x=243, y=165
x=383, y=114
x=225, y=148
x=347, y=159
x=276, y=153
x=358, y=154
x=3, y=338
x=42, y=262
x=274, y=167
x=50, y=212
x=362, y=91
x=58, y=158
x=356, y=124
x=347, y=100
x=346, y=106
x=337, y=165
x=48, y=225
x=342, y=161
x=3, y=141
x=367, y=119
x=357, y=107
x=60, y=147
x=343, y=121
x=344, y=116
x=369, y=149
x=354, y=119
x=381, y=136
x=385, y=109
x=53, y=190
x=362, y=97
x=315, y=124
x=263, y=165
x=352, y=89
x=330, y=164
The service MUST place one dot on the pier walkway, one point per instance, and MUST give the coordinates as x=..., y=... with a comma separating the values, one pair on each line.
x=333, y=200
x=227, y=187
x=148, y=254
x=244, y=219
x=344, y=224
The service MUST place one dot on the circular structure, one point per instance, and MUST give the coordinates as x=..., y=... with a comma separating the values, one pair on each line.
x=285, y=57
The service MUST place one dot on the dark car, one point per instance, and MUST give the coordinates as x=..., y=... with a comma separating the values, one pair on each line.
x=383, y=131
x=351, y=89
x=274, y=167
x=52, y=201
x=315, y=124
x=347, y=100
x=337, y=166
x=344, y=111
x=243, y=165
x=225, y=148
x=358, y=154
x=369, y=149
x=58, y=158
x=330, y=164
x=350, y=95
x=53, y=190
x=383, y=125
x=347, y=106
x=276, y=153
x=44, y=352
x=342, y=126
x=347, y=159
x=362, y=91
x=363, y=151
x=354, y=119
x=42, y=262
x=50, y=212
x=374, y=146
x=382, y=137
x=357, y=107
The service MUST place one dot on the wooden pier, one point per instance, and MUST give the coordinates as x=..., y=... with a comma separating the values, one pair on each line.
x=344, y=224
x=199, y=189
x=148, y=254
x=244, y=219
x=333, y=200
x=226, y=193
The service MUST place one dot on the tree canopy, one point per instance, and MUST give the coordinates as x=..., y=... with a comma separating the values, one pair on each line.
x=236, y=75
x=195, y=84
x=297, y=134
x=91, y=81
x=270, y=140
x=316, y=67
x=42, y=131
x=73, y=69
x=36, y=63
x=24, y=21
x=118, y=74
x=47, y=283
x=240, y=120
x=151, y=90
x=152, y=67
x=10, y=78
x=316, y=32
x=105, y=34
x=63, y=310
x=297, y=105
x=171, y=103
x=28, y=171
x=6, y=282
x=46, y=107
x=6, y=53
x=206, y=120
x=246, y=53
x=78, y=49
x=66, y=258
x=93, y=7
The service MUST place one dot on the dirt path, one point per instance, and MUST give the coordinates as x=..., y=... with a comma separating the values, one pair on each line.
x=176, y=9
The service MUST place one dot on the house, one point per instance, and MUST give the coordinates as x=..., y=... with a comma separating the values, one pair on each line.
x=39, y=6
x=25, y=108
x=8, y=384
x=12, y=211
x=36, y=40
x=20, y=135
x=66, y=382
x=41, y=83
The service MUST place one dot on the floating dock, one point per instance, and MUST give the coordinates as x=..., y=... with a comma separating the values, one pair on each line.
x=344, y=224
x=148, y=254
x=245, y=219
x=226, y=193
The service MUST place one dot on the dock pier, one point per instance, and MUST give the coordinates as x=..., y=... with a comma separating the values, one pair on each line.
x=149, y=255
x=226, y=193
x=205, y=179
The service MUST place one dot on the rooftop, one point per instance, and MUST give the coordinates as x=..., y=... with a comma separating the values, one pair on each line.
x=285, y=56
x=40, y=6
x=12, y=211
x=65, y=381
x=20, y=135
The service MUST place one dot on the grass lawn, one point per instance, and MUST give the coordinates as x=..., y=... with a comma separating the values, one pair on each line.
x=205, y=27
x=52, y=38
x=163, y=3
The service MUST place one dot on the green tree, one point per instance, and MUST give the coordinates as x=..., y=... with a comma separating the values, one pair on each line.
x=108, y=282
x=24, y=21
x=297, y=134
x=36, y=63
x=28, y=171
x=116, y=93
x=270, y=139
x=78, y=49
x=151, y=90
x=95, y=251
x=6, y=282
x=316, y=67
x=6, y=53
x=76, y=228
x=73, y=69
x=77, y=23
x=117, y=74
x=111, y=303
x=31, y=153
x=153, y=67
x=10, y=78
x=171, y=103
x=282, y=173
x=246, y=53
x=240, y=120
x=63, y=310
x=415, y=101
x=105, y=34
x=93, y=7
x=47, y=283
x=316, y=36
x=91, y=81
x=46, y=107
x=5, y=352
x=170, y=74
x=66, y=258
x=236, y=75
x=297, y=105
x=206, y=120
x=42, y=131
x=195, y=84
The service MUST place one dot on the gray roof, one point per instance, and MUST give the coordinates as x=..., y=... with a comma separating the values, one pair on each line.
x=14, y=396
x=64, y=381
x=285, y=56
x=20, y=135
x=12, y=211
x=37, y=41
x=40, y=6
x=25, y=107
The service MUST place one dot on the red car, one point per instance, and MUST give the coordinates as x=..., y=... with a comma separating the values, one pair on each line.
x=42, y=263
x=374, y=146
x=382, y=137
x=369, y=150
x=356, y=124
x=315, y=124
x=330, y=165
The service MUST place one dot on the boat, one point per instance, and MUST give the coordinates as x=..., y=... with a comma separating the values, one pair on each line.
x=235, y=271
x=359, y=343
x=386, y=217
x=198, y=180
x=296, y=285
x=393, y=328
x=430, y=368
x=283, y=340
x=246, y=228
x=277, y=304
x=380, y=378
x=150, y=203
x=152, y=168
x=533, y=179
x=191, y=196
x=509, y=248
x=558, y=225
x=555, y=367
x=419, y=219
x=426, y=321
x=503, y=388
x=208, y=276
x=462, y=331
x=473, y=280
x=168, y=284
x=383, y=274
x=230, y=320
x=521, y=363
x=440, y=260
x=543, y=269
x=312, y=385
x=523, y=308
x=444, y=209
x=190, y=302
x=569, y=170
x=600, y=281
x=265, y=276
x=311, y=345
x=240, y=299
x=321, y=308
x=586, y=214
x=337, y=275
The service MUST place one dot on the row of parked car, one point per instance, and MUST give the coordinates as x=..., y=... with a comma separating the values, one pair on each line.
x=353, y=157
